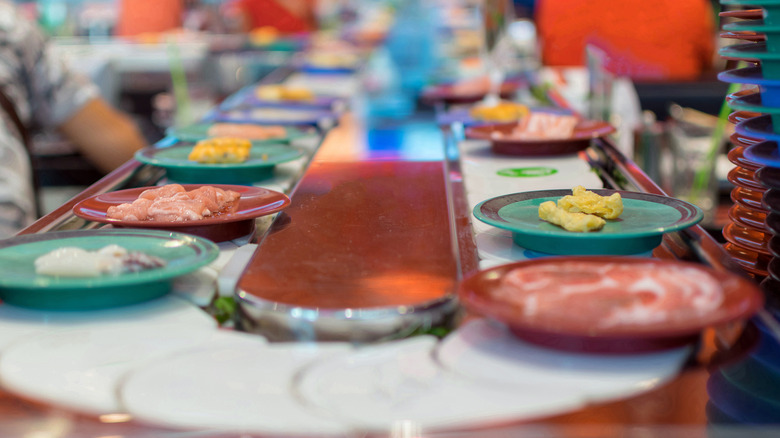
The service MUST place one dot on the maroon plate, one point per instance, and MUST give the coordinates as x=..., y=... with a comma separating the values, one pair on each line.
x=745, y=14
x=570, y=328
x=749, y=218
x=737, y=156
x=747, y=238
x=254, y=202
x=469, y=91
x=752, y=262
x=749, y=198
x=504, y=141
x=744, y=177
x=739, y=116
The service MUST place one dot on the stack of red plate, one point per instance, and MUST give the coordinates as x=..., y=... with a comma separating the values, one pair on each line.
x=755, y=215
x=747, y=236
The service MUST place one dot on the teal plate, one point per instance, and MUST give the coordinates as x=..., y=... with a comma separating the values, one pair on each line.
x=645, y=219
x=200, y=131
x=260, y=165
x=21, y=286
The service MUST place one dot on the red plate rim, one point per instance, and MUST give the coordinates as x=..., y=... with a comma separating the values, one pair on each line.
x=742, y=299
x=254, y=202
x=585, y=130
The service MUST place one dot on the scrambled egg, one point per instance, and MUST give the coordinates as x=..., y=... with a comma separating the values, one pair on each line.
x=501, y=112
x=221, y=150
x=281, y=92
x=583, y=201
x=579, y=222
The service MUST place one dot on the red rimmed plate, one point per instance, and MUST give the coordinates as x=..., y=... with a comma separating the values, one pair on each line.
x=745, y=14
x=505, y=141
x=738, y=116
x=747, y=238
x=467, y=91
x=743, y=177
x=737, y=156
x=743, y=140
x=254, y=202
x=597, y=322
x=749, y=260
x=749, y=218
x=748, y=198
x=743, y=35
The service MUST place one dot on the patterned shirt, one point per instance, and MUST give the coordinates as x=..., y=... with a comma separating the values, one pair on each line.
x=45, y=93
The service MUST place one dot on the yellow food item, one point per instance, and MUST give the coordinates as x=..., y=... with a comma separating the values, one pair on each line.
x=221, y=150
x=501, y=112
x=583, y=201
x=281, y=92
x=578, y=222
x=262, y=36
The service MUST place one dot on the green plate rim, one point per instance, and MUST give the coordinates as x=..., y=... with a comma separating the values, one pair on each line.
x=696, y=214
x=293, y=133
x=207, y=252
x=149, y=156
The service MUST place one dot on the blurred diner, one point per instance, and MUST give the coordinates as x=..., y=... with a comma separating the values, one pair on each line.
x=40, y=92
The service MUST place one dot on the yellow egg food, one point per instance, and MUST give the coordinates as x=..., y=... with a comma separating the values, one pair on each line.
x=578, y=222
x=501, y=112
x=583, y=201
x=281, y=92
x=582, y=211
x=221, y=150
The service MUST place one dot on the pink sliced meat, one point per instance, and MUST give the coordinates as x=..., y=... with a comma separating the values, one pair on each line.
x=176, y=210
x=247, y=131
x=214, y=198
x=137, y=211
x=173, y=203
x=162, y=192
x=610, y=294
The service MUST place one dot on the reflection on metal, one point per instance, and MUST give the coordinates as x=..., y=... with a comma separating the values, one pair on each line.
x=364, y=253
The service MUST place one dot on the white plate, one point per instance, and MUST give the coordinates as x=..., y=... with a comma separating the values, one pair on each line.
x=487, y=352
x=398, y=385
x=230, y=389
x=17, y=322
x=81, y=368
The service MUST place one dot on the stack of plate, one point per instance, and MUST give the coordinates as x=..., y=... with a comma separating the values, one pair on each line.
x=744, y=389
x=750, y=235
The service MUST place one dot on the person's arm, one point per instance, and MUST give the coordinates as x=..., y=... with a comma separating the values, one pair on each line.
x=105, y=136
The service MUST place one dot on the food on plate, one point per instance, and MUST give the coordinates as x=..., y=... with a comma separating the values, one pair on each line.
x=173, y=203
x=582, y=211
x=71, y=261
x=545, y=126
x=584, y=201
x=501, y=112
x=332, y=59
x=478, y=85
x=247, y=131
x=281, y=114
x=221, y=150
x=262, y=36
x=577, y=222
x=615, y=294
x=283, y=92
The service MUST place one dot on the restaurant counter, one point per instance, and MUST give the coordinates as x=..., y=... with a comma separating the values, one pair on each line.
x=371, y=250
